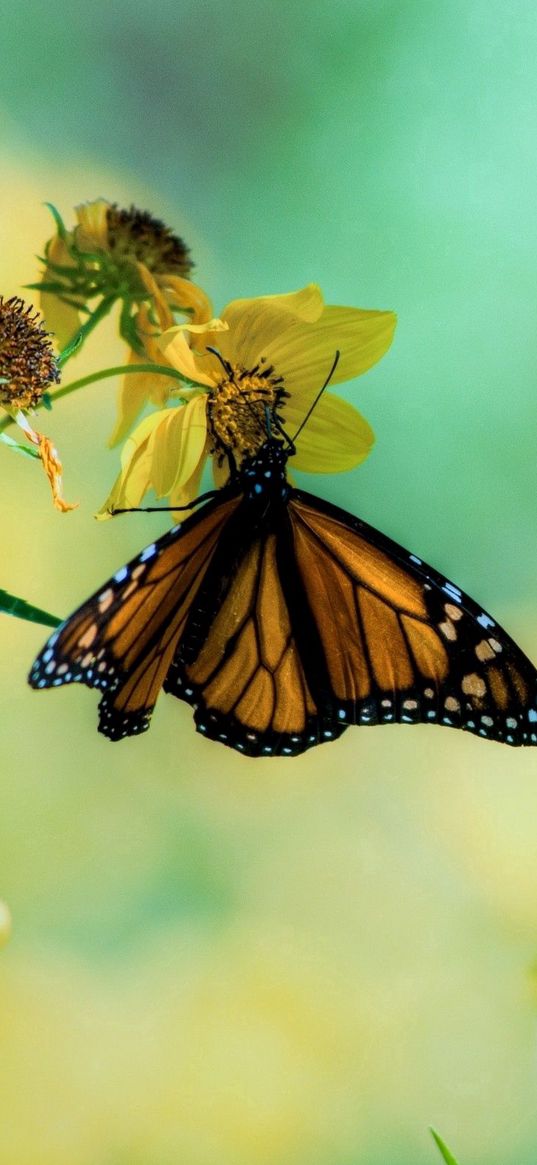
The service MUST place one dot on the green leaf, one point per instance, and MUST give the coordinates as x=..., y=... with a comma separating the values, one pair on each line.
x=26, y=450
x=66, y=270
x=70, y=348
x=11, y=605
x=45, y=285
x=81, y=307
x=127, y=328
x=60, y=225
x=447, y=1156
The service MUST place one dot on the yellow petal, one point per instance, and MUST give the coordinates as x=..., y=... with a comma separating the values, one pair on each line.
x=138, y=387
x=164, y=315
x=182, y=495
x=92, y=230
x=177, y=350
x=135, y=477
x=186, y=296
x=60, y=318
x=304, y=353
x=135, y=389
x=307, y=304
x=256, y=324
x=177, y=446
x=335, y=438
x=149, y=335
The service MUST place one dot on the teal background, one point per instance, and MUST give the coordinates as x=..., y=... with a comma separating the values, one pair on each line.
x=309, y=962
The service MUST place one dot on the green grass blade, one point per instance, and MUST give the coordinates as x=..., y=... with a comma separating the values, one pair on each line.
x=11, y=605
x=447, y=1156
x=26, y=450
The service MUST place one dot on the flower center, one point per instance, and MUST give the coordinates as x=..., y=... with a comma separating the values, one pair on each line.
x=27, y=362
x=242, y=411
x=135, y=234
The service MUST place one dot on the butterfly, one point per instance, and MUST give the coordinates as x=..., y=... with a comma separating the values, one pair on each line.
x=283, y=620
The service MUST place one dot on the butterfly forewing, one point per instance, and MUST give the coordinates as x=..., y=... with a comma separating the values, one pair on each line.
x=402, y=643
x=122, y=640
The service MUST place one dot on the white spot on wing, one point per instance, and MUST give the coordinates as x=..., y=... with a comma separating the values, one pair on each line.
x=148, y=552
x=453, y=591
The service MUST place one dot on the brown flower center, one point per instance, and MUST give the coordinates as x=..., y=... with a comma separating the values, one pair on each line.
x=242, y=411
x=27, y=362
x=135, y=235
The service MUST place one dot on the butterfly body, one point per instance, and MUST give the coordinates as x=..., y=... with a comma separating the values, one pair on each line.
x=283, y=620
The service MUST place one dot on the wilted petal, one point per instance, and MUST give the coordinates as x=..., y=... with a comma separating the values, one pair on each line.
x=53, y=469
x=178, y=446
x=335, y=438
x=150, y=336
x=304, y=353
x=49, y=458
x=164, y=315
x=186, y=296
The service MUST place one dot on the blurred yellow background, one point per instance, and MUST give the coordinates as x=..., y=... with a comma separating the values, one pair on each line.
x=297, y=962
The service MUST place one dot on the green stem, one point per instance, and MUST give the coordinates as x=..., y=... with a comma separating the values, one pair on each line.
x=118, y=370
x=95, y=318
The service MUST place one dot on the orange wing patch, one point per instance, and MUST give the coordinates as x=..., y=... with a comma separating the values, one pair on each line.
x=249, y=665
x=370, y=612
x=364, y=562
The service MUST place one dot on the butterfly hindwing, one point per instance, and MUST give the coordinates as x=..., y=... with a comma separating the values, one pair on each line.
x=247, y=682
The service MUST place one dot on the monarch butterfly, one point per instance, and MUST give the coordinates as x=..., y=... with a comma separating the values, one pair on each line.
x=282, y=620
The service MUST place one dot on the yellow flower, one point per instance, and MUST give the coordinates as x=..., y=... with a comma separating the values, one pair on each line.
x=273, y=355
x=28, y=367
x=124, y=255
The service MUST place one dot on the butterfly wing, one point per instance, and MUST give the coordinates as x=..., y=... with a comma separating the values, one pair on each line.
x=244, y=674
x=283, y=620
x=402, y=643
x=122, y=640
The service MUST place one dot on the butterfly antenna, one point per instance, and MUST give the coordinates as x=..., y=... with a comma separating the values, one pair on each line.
x=225, y=364
x=319, y=394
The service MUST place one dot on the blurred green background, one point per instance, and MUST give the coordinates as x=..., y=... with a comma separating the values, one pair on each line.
x=305, y=962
